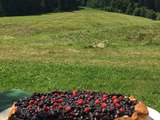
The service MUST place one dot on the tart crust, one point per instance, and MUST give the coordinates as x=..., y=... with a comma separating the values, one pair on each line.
x=141, y=113
x=12, y=111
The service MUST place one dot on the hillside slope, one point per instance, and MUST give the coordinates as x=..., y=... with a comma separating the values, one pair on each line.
x=53, y=51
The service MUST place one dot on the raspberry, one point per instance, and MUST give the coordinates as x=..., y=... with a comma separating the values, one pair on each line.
x=80, y=102
x=114, y=97
x=104, y=99
x=55, y=104
x=68, y=108
x=115, y=101
x=97, y=101
x=121, y=109
x=86, y=110
x=88, y=98
x=60, y=100
x=60, y=107
x=103, y=105
x=117, y=105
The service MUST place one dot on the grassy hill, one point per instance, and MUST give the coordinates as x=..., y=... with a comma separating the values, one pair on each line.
x=52, y=51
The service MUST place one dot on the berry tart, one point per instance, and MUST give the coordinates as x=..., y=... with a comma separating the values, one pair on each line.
x=78, y=105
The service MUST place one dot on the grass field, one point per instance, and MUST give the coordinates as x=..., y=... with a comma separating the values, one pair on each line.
x=50, y=52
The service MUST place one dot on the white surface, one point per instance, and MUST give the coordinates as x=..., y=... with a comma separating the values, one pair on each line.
x=153, y=114
x=4, y=114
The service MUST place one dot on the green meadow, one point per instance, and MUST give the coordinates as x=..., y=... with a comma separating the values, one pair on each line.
x=54, y=52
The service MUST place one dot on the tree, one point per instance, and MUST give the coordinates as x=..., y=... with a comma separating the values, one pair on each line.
x=130, y=8
x=137, y=12
x=151, y=14
x=83, y=2
x=1, y=9
x=143, y=11
x=157, y=5
x=92, y=3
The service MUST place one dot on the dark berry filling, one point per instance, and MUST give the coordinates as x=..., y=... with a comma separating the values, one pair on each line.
x=73, y=106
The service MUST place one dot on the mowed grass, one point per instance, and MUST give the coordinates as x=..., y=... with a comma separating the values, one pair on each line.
x=50, y=52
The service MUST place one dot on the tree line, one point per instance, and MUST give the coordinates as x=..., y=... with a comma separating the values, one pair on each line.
x=152, y=4
x=144, y=8
x=25, y=7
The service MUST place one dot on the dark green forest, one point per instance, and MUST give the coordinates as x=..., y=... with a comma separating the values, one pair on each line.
x=28, y=7
x=145, y=8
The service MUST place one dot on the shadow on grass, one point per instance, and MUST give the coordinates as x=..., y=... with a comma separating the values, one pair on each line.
x=7, y=98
